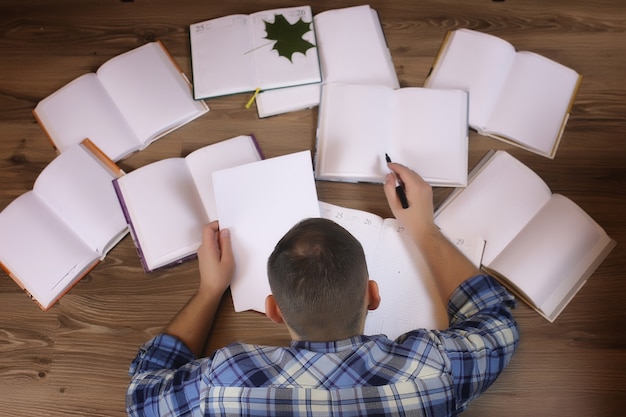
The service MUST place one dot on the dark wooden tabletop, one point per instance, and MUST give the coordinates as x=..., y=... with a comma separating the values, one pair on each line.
x=73, y=359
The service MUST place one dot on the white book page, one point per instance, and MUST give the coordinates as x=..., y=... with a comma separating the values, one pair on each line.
x=283, y=100
x=534, y=101
x=39, y=249
x=477, y=63
x=409, y=299
x=409, y=296
x=150, y=91
x=165, y=210
x=430, y=133
x=470, y=246
x=496, y=204
x=221, y=58
x=364, y=226
x=205, y=161
x=354, y=127
x=259, y=203
x=352, y=47
x=551, y=254
x=83, y=109
x=79, y=189
x=273, y=70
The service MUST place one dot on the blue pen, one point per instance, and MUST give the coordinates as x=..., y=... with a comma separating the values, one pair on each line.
x=399, y=188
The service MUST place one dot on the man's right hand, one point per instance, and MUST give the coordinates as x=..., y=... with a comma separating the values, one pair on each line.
x=418, y=217
x=215, y=259
x=447, y=264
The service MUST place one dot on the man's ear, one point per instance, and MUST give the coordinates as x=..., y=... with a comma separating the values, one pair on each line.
x=272, y=310
x=373, y=295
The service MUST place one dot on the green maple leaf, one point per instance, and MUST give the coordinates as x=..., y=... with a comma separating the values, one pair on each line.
x=288, y=37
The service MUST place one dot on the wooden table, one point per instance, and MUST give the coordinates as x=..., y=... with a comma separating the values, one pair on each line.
x=73, y=359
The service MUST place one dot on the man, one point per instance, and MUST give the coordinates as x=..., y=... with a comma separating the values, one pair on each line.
x=321, y=291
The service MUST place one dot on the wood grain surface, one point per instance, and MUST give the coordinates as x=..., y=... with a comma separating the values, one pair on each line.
x=73, y=359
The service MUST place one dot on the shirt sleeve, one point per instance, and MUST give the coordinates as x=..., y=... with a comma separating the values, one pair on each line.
x=165, y=379
x=482, y=336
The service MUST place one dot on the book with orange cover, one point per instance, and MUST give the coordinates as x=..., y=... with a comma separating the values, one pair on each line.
x=132, y=100
x=54, y=234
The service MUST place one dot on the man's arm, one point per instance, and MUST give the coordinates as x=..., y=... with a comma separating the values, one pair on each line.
x=485, y=335
x=448, y=265
x=165, y=380
x=216, y=263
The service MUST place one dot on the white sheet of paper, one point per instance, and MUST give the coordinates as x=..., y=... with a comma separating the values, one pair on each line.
x=259, y=203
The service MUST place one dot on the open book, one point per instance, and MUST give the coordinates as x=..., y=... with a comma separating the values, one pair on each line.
x=259, y=203
x=409, y=296
x=268, y=49
x=352, y=49
x=53, y=235
x=166, y=203
x=542, y=245
x=132, y=100
x=519, y=97
x=425, y=129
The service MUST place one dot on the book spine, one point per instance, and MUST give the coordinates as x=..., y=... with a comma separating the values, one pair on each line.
x=177, y=262
x=43, y=127
x=566, y=116
x=102, y=157
x=438, y=57
x=131, y=228
x=22, y=286
x=255, y=142
x=182, y=73
x=76, y=280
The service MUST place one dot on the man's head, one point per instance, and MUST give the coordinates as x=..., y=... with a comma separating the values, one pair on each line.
x=319, y=281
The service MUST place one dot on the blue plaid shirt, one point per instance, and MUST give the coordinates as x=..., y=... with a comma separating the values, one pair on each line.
x=423, y=373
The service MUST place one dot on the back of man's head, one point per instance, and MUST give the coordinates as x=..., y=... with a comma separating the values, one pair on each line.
x=318, y=276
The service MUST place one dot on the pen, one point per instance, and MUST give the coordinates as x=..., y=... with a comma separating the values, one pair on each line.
x=399, y=188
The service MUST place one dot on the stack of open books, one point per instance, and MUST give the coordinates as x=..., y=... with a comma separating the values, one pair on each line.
x=542, y=246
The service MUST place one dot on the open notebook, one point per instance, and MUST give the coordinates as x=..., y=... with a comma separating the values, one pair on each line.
x=542, y=245
x=409, y=297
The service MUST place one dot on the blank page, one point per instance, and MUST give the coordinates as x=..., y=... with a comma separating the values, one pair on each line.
x=150, y=91
x=354, y=128
x=79, y=189
x=202, y=163
x=83, y=109
x=497, y=203
x=534, y=101
x=165, y=210
x=477, y=63
x=352, y=47
x=431, y=134
x=259, y=203
x=549, y=257
x=40, y=250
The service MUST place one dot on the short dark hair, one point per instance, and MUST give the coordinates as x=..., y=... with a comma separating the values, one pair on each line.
x=318, y=276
